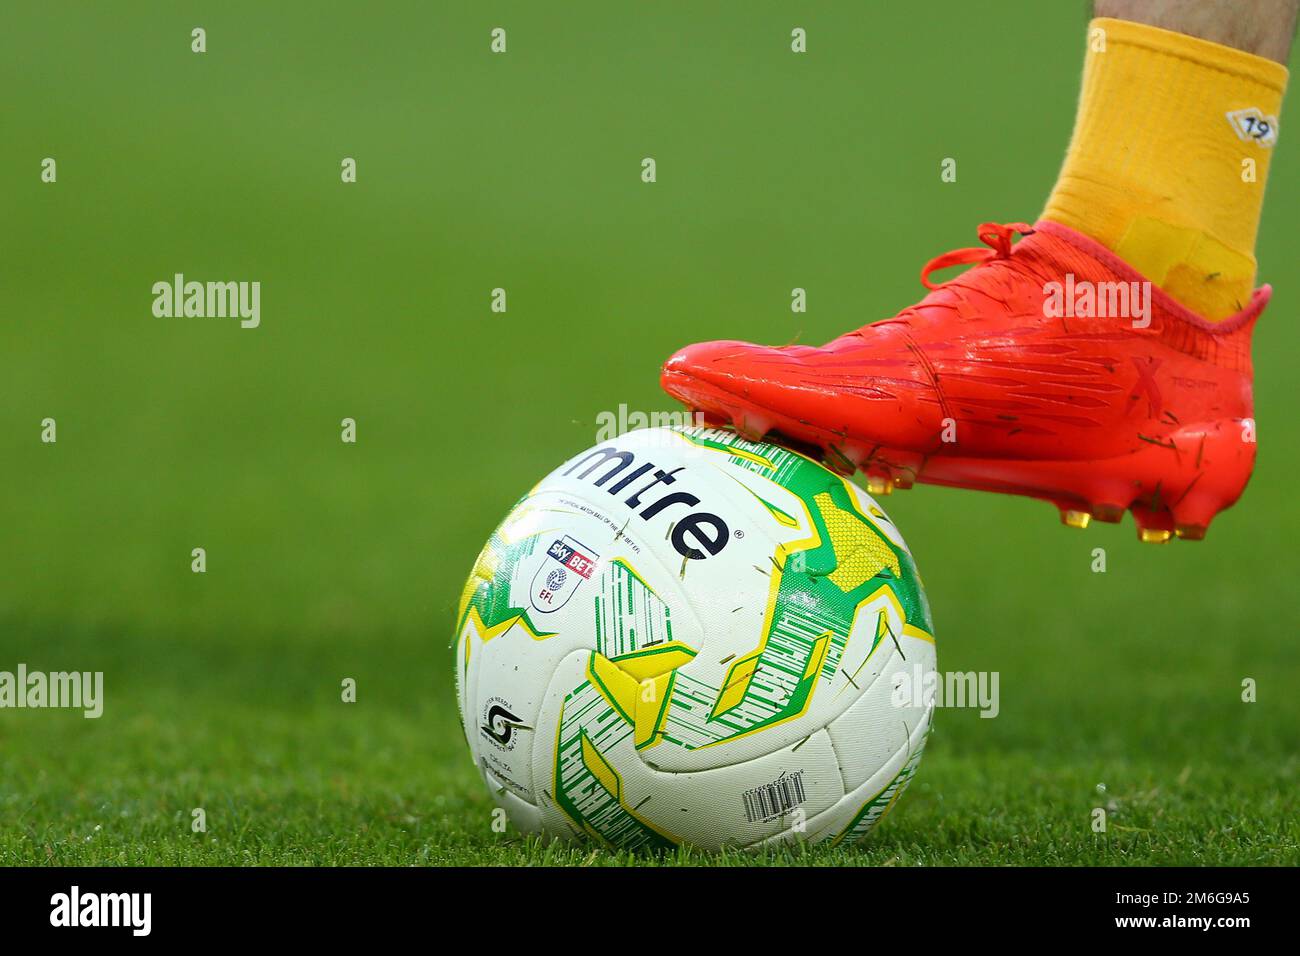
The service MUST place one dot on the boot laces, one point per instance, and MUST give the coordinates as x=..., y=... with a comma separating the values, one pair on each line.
x=997, y=239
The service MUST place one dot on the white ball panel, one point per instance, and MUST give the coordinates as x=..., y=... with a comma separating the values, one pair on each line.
x=875, y=726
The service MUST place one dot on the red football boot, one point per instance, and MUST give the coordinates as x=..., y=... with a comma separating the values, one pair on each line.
x=1051, y=369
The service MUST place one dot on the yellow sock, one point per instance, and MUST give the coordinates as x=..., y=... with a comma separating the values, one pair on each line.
x=1169, y=159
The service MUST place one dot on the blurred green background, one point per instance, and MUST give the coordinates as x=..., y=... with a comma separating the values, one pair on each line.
x=522, y=171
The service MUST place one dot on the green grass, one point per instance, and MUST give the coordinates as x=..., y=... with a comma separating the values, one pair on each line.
x=253, y=732
x=328, y=561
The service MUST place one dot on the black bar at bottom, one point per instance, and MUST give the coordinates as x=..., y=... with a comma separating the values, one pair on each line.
x=503, y=908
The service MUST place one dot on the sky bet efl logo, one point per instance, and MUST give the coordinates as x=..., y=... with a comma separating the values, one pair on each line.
x=567, y=564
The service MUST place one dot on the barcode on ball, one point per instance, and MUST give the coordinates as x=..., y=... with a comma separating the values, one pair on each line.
x=773, y=799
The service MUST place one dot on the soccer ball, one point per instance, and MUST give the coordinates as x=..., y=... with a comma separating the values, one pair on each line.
x=681, y=636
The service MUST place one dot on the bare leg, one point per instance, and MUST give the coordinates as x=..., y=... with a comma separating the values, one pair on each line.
x=1262, y=27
